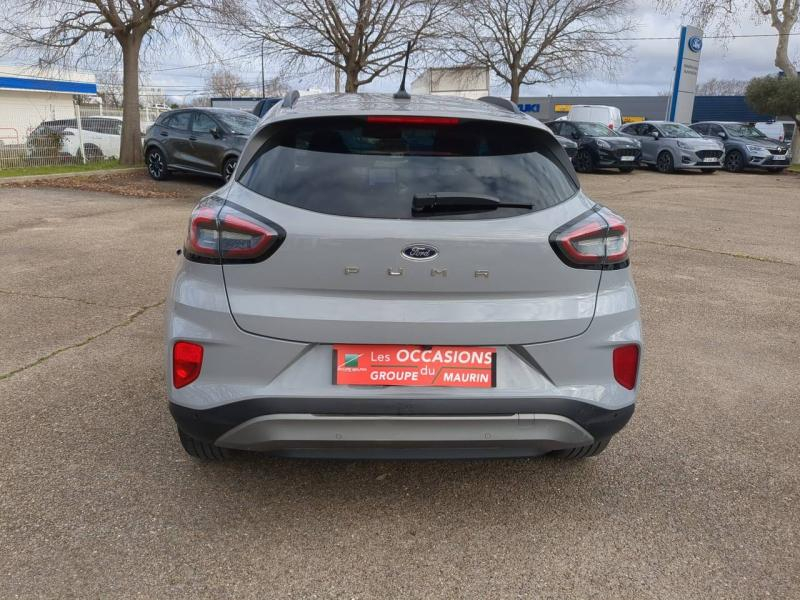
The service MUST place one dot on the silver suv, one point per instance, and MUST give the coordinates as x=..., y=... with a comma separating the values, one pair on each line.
x=390, y=277
x=746, y=146
x=671, y=146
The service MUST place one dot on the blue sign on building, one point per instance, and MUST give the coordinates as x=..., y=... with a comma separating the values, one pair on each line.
x=529, y=107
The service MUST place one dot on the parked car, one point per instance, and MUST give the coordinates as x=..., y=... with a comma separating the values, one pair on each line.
x=598, y=146
x=262, y=106
x=570, y=146
x=610, y=116
x=208, y=141
x=402, y=277
x=772, y=129
x=101, y=137
x=669, y=146
x=746, y=146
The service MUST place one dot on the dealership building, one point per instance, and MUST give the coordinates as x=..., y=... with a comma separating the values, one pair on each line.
x=28, y=97
x=642, y=108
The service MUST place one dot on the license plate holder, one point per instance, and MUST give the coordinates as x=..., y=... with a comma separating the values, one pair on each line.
x=414, y=366
x=626, y=158
x=710, y=159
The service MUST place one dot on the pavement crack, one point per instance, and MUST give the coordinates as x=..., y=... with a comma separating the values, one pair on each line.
x=66, y=298
x=745, y=255
x=127, y=321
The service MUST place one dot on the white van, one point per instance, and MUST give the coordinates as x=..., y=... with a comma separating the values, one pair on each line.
x=610, y=116
x=772, y=129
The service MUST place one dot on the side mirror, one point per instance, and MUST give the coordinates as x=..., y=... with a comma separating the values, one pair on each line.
x=216, y=132
x=723, y=135
x=576, y=135
x=655, y=135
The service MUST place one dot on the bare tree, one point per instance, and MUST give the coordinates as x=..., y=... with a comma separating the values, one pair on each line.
x=722, y=87
x=109, y=88
x=82, y=31
x=525, y=42
x=721, y=15
x=363, y=38
x=226, y=83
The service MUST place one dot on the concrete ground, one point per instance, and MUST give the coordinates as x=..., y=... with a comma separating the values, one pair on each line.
x=699, y=497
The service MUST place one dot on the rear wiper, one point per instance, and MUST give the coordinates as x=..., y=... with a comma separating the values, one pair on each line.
x=459, y=201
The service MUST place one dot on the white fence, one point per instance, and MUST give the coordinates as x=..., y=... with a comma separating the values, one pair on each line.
x=65, y=133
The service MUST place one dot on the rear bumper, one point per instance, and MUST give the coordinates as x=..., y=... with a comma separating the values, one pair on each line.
x=276, y=424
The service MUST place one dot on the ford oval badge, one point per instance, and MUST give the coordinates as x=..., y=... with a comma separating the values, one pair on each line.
x=695, y=44
x=420, y=252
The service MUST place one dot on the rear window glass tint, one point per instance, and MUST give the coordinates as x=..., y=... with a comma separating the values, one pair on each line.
x=350, y=167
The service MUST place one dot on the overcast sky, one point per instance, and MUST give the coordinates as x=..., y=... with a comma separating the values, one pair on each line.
x=648, y=69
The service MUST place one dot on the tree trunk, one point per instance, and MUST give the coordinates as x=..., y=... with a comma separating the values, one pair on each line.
x=782, y=55
x=351, y=84
x=796, y=142
x=515, y=85
x=130, y=147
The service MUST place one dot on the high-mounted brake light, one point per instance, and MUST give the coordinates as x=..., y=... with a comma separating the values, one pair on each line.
x=187, y=360
x=410, y=120
x=597, y=239
x=230, y=234
x=626, y=365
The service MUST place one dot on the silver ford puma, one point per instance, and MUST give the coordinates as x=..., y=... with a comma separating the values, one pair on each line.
x=388, y=277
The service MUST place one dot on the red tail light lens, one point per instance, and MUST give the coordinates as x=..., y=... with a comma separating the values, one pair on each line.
x=228, y=233
x=410, y=120
x=626, y=365
x=187, y=360
x=597, y=239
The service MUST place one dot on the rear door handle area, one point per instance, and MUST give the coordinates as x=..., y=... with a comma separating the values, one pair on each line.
x=164, y=134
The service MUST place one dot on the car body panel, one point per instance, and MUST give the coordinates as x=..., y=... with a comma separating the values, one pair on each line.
x=501, y=282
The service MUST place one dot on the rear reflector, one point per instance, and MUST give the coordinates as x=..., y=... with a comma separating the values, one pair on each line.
x=626, y=365
x=187, y=360
x=412, y=120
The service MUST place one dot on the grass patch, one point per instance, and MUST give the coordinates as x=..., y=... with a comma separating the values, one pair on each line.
x=795, y=168
x=52, y=169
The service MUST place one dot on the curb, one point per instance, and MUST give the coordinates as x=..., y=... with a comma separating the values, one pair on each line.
x=23, y=178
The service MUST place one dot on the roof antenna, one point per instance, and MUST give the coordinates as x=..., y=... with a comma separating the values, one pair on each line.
x=402, y=94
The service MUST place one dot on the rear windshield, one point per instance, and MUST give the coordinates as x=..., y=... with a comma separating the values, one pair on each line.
x=357, y=168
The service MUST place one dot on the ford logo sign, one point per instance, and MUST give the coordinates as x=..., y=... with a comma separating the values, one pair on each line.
x=420, y=252
x=695, y=44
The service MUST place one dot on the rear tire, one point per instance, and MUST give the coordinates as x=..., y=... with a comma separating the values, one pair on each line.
x=665, y=163
x=592, y=449
x=156, y=164
x=202, y=450
x=92, y=153
x=229, y=167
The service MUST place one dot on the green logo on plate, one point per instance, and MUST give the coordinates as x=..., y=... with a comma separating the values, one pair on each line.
x=351, y=360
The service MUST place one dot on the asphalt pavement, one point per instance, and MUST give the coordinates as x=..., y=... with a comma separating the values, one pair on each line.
x=699, y=497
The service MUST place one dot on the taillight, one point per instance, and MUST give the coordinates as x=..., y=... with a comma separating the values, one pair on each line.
x=227, y=233
x=597, y=239
x=187, y=360
x=626, y=365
